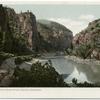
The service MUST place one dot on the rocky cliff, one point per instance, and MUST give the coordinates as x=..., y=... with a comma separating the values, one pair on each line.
x=56, y=36
x=28, y=27
x=23, y=34
x=89, y=40
x=18, y=31
x=5, y=35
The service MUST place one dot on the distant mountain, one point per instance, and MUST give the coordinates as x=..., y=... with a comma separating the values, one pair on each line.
x=55, y=35
x=89, y=40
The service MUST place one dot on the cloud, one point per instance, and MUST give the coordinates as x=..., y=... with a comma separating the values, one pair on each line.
x=88, y=17
x=74, y=25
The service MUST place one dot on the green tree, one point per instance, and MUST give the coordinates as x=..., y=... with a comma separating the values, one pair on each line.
x=74, y=81
x=83, y=50
x=39, y=76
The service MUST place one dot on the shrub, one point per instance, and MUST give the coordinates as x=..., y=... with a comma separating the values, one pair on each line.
x=97, y=25
x=39, y=76
x=74, y=81
x=84, y=84
x=21, y=59
x=4, y=56
x=69, y=51
x=83, y=50
x=19, y=47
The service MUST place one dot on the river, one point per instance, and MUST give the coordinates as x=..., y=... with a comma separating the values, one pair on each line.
x=70, y=69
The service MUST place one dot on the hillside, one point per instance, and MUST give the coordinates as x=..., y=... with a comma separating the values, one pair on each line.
x=56, y=36
x=17, y=31
x=88, y=41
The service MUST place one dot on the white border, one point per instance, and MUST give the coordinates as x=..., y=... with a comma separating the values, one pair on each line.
x=50, y=92
x=74, y=2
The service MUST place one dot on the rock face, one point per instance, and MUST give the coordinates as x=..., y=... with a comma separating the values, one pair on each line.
x=3, y=23
x=28, y=27
x=21, y=33
x=17, y=30
x=4, y=30
x=90, y=37
x=55, y=35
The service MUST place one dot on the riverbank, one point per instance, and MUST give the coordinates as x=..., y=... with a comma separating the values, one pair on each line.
x=83, y=61
x=73, y=58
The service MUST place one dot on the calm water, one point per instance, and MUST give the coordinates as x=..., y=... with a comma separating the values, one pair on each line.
x=70, y=69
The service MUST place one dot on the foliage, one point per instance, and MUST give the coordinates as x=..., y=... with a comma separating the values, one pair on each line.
x=83, y=50
x=16, y=45
x=39, y=76
x=5, y=42
x=21, y=59
x=69, y=51
x=98, y=25
x=19, y=46
x=74, y=81
x=4, y=56
x=84, y=84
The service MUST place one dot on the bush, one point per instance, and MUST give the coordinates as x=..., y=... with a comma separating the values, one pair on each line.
x=84, y=84
x=20, y=47
x=4, y=56
x=21, y=59
x=69, y=51
x=97, y=25
x=39, y=76
x=74, y=81
x=83, y=50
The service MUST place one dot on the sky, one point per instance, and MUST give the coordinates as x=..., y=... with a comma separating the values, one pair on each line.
x=74, y=17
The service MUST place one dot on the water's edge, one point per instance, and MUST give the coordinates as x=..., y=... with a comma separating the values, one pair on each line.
x=73, y=58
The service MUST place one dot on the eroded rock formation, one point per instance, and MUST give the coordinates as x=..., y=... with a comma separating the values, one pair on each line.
x=90, y=37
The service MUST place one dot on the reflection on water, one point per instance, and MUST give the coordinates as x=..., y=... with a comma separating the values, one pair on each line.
x=71, y=69
x=75, y=74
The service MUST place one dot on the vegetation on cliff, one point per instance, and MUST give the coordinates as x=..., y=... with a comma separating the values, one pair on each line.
x=11, y=39
x=4, y=56
x=87, y=42
x=55, y=36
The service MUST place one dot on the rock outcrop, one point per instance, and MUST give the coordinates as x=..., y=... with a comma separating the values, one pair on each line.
x=56, y=36
x=18, y=31
x=28, y=27
x=90, y=37
x=23, y=34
